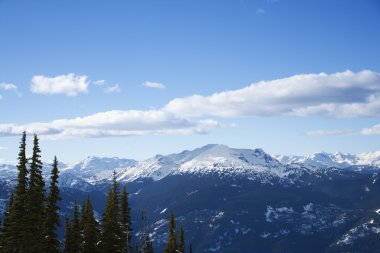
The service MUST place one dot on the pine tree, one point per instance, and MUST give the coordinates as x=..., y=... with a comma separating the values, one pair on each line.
x=191, y=249
x=14, y=236
x=172, y=245
x=111, y=227
x=143, y=235
x=36, y=203
x=68, y=248
x=4, y=233
x=90, y=232
x=125, y=222
x=76, y=230
x=52, y=215
x=149, y=246
x=182, y=241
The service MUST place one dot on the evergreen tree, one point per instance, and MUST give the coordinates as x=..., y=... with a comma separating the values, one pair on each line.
x=149, y=246
x=191, y=249
x=4, y=233
x=145, y=241
x=35, y=203
x=14, y=236
x=143, y=235
x=68, y=248
x=125, y=222
x=90, y=232
x=52, y=214
x=172, y=245
x=111, y=227
x=76, y=230
x=182, y=241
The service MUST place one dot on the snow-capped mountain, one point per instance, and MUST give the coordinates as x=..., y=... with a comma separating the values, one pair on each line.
x=211, y=158
x=337, y=160
x=94, y=169
x=230, y=200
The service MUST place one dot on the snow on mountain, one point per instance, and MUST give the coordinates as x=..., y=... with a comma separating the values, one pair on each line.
x=337, y=160
x=371, y=158
x=7, y=171
x=208, y=159
x=211, y=158
x=94, y=169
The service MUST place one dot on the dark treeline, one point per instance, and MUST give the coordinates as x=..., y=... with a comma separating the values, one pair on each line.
x=32, y=217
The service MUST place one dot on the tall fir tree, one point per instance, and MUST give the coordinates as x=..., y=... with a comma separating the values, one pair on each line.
x=52, y=212
x=111, y=227
x=90, y=229
x=172, y=245
x=68, y=247
x=76, y=230
x=125, y=222
x=190, y=249
x=182, y=241
x=14, y=236
x=35, y=203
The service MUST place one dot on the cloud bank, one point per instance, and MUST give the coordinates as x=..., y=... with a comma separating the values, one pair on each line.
x=113, y=123
x=374, y=130
x=70, y=84
x=343, y=94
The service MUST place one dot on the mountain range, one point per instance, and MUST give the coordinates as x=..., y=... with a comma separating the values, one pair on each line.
x=239, y=200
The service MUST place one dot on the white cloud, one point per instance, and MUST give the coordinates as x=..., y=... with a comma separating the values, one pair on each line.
x=374, y=130
x=70, y=84
x=8, y=86
x=99, y=82
x=342, y=94
x=324, y=133
x=113, y=123
x=154, y=85
x=3, y=148
x=113, y=89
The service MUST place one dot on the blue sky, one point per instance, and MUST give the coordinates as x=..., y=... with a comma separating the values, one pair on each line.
x=120, y=78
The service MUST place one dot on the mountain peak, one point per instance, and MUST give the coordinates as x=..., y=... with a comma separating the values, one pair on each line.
x=211, y=158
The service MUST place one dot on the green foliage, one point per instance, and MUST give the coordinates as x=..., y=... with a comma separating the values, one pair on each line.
x=90, y=228
x=76, y=230
x=172, y=245
x=34, y=227
x=125, y=222
x=31, y=218
x=5, y=242
x=182, y=241
x=146, y=245
x=14, y=236
x=68, y=237
x=52, y=212
x=111, y=229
